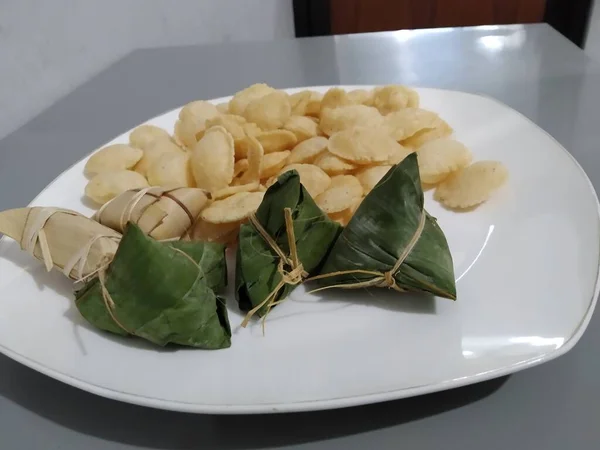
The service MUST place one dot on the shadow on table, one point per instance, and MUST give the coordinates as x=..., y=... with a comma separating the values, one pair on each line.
x=146, y=427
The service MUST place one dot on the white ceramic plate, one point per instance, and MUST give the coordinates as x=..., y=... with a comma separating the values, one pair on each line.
x=526, y=265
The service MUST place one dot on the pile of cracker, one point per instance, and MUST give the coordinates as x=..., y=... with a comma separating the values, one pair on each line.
x=341, y=143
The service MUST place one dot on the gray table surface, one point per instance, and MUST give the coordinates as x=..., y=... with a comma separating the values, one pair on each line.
x=532, y=68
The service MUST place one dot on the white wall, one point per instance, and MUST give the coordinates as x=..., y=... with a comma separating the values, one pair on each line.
x=48, y=47
x=592, y=44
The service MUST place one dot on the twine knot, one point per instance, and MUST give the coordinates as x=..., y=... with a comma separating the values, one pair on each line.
x=289, y=267
x=388, y=279
x=293, y=277
x=34, y=235
x=381, y=279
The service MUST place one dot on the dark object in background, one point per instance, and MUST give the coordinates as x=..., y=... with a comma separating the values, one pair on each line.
x=570, y=17
x=326, y=17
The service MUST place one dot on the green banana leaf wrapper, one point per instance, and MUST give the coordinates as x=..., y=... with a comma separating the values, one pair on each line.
x=387, y=221
x=160, y=294
x=257, y=274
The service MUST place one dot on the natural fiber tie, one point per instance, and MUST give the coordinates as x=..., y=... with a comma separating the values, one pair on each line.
x=382, y=279
x=34, y=234
x=125, y=217
x=109, y=303
x=158, y=193
x=292, y=276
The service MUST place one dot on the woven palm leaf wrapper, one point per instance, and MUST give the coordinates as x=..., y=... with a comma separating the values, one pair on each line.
x=61, y=239
x=164, y=292
x=160, y=213
x=281, y=245
x=392, y=242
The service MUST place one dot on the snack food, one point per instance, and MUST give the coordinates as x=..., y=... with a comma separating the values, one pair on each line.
x=161, y=213
x=440, y=157
x=213, y=159
x=363, y=145
x=112, y=158
x=392, y=241
x=107, y=185
x=472, y=185
x=61, y=239
x=144, y=135
x=283, y=243
x=178, y=304
x=362, y=132
x=310, y=186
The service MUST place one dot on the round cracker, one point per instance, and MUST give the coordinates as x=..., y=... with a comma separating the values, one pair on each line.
x=231, y=190
x=399, y=154
x=332, y=164
x=440, y=130
x=213, y=160
x=334, y=98
x=199, y=111
x=343, y=192
x=230, y=122
x=113, y=157
x=240, y=166
x=171, y=170
x=273, y=163
x=303, y=127
x=179, y=134
x=241, y=99
x=350, y=116
x=107, y=185
x=472, y=185
x=251, y=129
x=223, y=108
x=192, y=121
x=361, y=97
x=143, y=135
x=153, y=151
x=256, y=155
x=270, y=111
x=438, y=158
x=344, y=217
x=409, y=121
x=370, y=176
x=277, y=140
x=392, y=98
x=313, y=105
x=308, y=150
x=186, y=131
x=314, y=179
x=413, y=98
x=341, y=217
x=298, y=102
x=306, y=103
x=361, y=145
x=241, y=145
x=232, y=209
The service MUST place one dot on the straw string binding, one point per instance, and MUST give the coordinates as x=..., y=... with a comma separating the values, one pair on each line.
x=382, y=279
x=289, y=266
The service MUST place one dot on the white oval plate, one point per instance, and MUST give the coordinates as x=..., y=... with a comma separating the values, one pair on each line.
x=526, y=264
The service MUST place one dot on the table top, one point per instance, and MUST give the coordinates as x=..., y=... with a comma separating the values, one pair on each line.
x=531, y=68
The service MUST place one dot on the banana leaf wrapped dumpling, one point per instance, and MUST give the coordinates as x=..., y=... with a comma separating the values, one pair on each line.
x=283, y=243
x=164, y=292
x=391, y=241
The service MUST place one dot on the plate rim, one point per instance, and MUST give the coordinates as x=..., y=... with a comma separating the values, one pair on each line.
x=331, y=403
